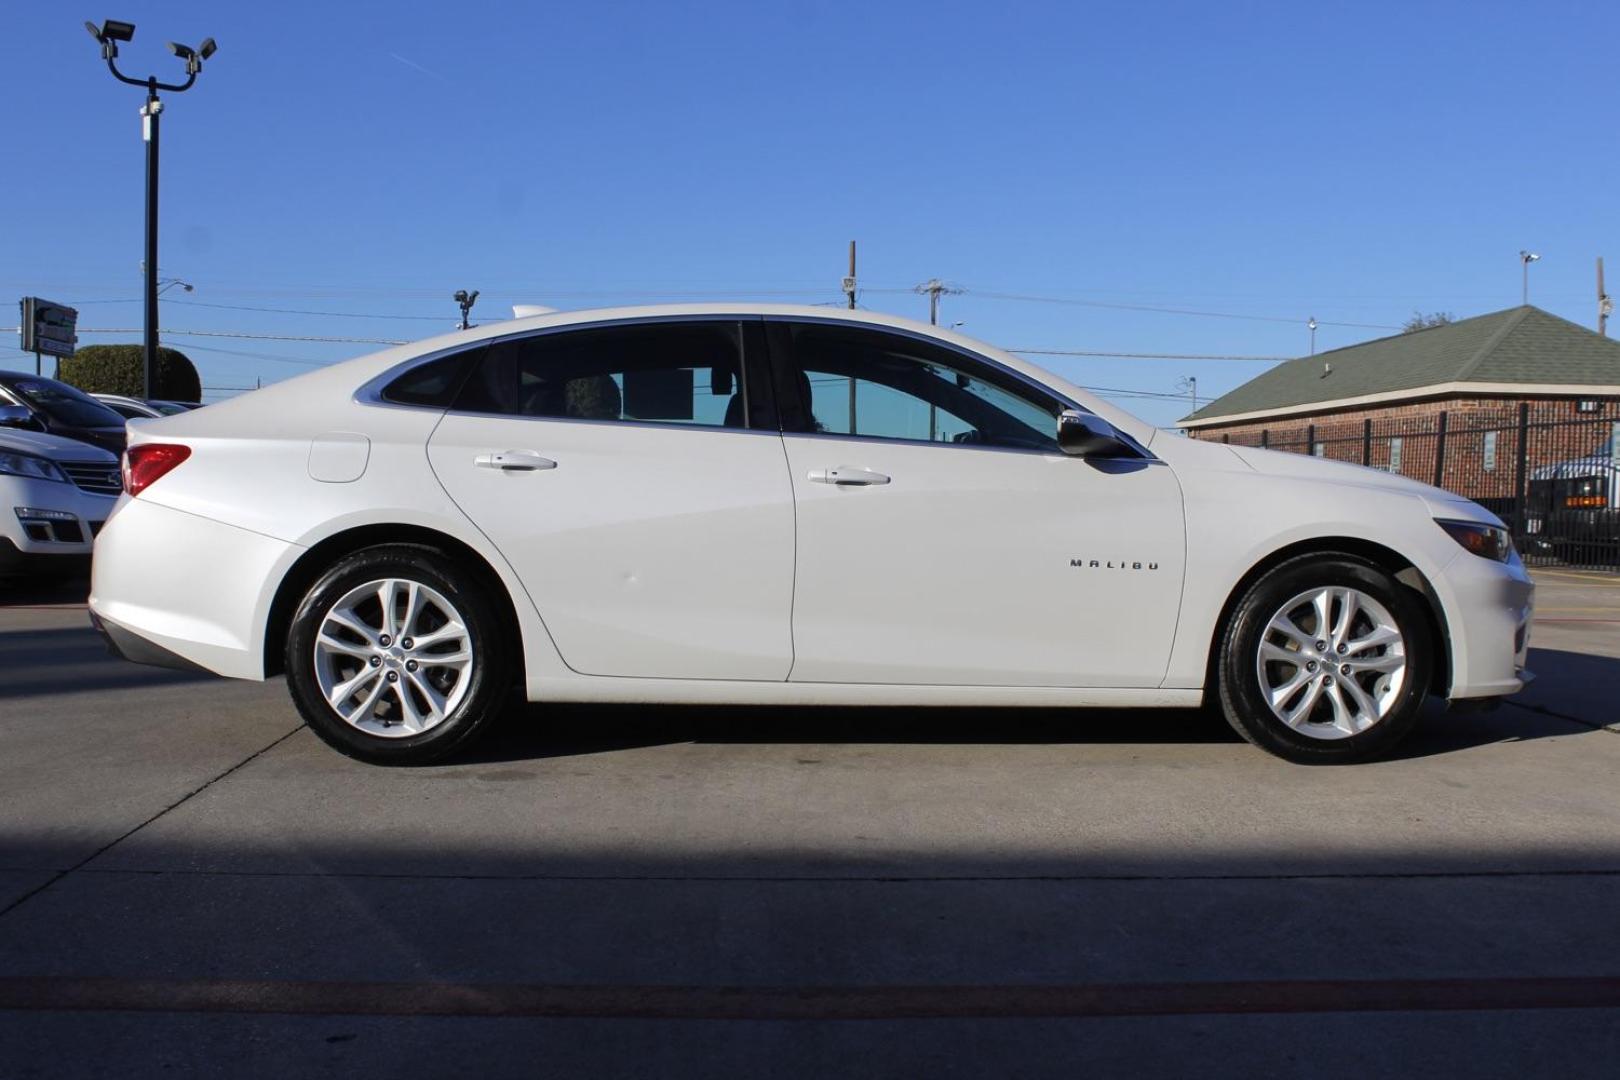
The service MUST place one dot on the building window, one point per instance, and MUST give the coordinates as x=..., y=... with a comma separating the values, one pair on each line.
x=1490, y=451
x=1395, y=454
x=1588, y=405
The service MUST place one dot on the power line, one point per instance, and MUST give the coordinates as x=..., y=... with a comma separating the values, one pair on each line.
x=300, y=311
x=193, y=347
x=1075, y=301
x=234, y=334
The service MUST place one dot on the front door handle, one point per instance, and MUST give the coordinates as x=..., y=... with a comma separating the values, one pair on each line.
x=847, y=476
x=514, y=461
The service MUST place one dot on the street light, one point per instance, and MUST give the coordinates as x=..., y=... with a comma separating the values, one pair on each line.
x=1525, y=259
x=108, y=35
x=168, y=283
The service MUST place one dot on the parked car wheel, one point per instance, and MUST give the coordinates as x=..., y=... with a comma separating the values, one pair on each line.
x=1326, y=659
x=395, y=656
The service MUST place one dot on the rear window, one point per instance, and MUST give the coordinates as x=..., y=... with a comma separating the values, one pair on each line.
x=433, y=384
x=66, y=404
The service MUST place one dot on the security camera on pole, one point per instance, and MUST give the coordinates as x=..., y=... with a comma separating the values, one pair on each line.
x=109, y=34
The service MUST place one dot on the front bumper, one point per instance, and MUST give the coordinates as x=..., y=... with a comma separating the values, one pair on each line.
x=1489, y=607
x=54, y=532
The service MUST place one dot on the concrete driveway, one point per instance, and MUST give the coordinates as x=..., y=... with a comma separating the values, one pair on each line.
x=191, y=883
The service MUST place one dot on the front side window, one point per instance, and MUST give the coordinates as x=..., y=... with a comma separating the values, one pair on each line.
x=682, y=373
x=882, y=386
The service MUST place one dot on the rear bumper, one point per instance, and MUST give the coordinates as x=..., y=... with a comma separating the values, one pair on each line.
x=128, y=645
x=169, y=586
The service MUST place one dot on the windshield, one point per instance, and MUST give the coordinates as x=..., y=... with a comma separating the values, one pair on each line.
x=66, y=405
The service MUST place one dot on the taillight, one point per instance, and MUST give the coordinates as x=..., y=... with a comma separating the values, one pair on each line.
x=145, y=464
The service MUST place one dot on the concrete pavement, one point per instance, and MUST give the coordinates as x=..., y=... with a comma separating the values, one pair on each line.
x=159, y=827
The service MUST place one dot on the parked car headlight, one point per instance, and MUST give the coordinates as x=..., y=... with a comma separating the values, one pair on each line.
x=14, y=464
x=1486, y=541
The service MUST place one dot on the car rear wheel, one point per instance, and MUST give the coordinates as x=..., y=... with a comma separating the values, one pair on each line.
x=1326, y=659
x=395, y=656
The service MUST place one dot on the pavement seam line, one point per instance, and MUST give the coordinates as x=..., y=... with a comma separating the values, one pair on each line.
x=115, y=841
x=1542, y=710
x=800, y=1002
x=873, y=879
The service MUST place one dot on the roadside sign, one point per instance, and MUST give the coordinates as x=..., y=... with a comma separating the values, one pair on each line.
x=48, y=328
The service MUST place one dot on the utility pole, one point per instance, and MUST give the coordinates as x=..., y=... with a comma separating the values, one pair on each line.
x=1605, y=304
x=1189, y=383
x=934, y=289
x=849, y=282
x=108, y=35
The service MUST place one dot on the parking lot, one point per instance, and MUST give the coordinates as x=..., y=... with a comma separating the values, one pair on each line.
x=190, y=881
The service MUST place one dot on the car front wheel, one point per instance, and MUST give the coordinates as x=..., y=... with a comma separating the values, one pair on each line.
x=395, y=657
x=1327, y=658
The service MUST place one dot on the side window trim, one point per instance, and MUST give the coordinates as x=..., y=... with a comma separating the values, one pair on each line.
x=795, y=411
x=997, y=374
x=752, y=371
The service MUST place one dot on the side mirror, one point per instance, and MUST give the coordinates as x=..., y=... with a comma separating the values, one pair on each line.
x=1081, y=434
x=15, y=416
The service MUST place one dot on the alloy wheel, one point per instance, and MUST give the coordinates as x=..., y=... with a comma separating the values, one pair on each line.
x=1332, y=662
x=393, y=657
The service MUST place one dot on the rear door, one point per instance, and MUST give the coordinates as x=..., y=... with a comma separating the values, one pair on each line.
x=633, y=476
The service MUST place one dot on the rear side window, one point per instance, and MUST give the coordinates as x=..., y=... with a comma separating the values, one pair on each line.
x=681, y=373
x=433, y=384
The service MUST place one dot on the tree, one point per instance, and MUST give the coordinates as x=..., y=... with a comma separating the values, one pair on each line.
x=1420, y=321
x=116, y=369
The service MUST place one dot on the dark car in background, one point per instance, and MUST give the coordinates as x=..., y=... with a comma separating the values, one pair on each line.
x=1574, y=508
x=59, y=409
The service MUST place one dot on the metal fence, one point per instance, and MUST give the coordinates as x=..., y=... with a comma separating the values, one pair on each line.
x=1550, y=472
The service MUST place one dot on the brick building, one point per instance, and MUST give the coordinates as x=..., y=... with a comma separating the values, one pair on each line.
x=1476, y=406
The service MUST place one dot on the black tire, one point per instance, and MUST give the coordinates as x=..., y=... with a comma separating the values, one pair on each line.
x=1238, y=680
x=487, y=687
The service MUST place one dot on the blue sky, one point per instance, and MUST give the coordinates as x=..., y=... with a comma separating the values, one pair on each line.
x=1353, y=162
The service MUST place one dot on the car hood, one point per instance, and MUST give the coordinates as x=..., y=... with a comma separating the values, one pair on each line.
x=1441, y=503
x=54, y=447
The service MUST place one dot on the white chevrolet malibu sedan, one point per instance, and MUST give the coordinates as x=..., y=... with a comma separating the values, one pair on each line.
x=770, y=504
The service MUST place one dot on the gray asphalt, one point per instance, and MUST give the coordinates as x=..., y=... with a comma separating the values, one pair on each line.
x=189, y=881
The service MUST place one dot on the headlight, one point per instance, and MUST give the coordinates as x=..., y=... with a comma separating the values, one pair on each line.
x=14, y=464
x=1486, y=541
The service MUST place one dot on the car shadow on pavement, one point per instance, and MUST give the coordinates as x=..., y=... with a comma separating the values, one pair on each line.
x=47, y=592
x=538, y=731
x=54, y=660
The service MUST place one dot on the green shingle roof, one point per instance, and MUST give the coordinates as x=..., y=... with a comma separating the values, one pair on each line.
x=1519, y=345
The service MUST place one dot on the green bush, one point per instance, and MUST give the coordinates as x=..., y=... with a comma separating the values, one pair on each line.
x=116, y=369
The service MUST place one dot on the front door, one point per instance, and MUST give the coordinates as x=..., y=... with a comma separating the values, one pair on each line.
x=633, y=477
x=943, y=538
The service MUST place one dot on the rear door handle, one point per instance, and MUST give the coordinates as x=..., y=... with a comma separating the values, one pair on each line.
x=847, y=476
x=514, y=461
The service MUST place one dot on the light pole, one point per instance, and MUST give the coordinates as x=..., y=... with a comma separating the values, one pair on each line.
x=109, y=34
x=1312, y=325
x=1525, y=259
